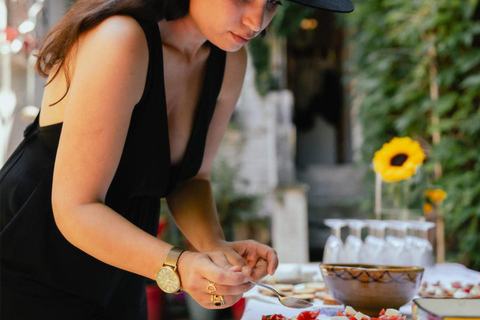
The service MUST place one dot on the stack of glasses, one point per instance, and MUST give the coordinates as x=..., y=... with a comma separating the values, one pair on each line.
x=388, y=242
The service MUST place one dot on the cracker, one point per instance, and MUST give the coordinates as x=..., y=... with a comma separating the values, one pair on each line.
x=304, y=291
x=281, y=287
x=328, y=299
x=318, y=286
x=305, y=296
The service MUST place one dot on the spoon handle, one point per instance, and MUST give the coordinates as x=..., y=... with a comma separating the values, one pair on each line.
x=266, y=287
x=286, y=301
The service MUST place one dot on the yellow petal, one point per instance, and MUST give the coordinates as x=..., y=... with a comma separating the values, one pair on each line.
x=383, y=157
x=436, y=195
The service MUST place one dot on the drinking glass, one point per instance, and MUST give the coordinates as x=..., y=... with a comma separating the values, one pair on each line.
x=411, y=236
x=374, y=245
x=353, y=242
x=397, y=252
x=423, y=250
x=334, y=245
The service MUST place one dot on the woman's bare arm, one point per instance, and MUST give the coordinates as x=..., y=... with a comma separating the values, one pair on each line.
x=110, y=66
x=192, y=203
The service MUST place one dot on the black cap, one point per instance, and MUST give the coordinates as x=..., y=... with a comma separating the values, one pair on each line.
x=330, y=5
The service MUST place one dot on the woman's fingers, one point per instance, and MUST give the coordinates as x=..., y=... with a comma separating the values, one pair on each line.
x=196, y=267
x=216, y=303
x=272, y=260
x=221, y=271
x=237, y=260
x=220, y=259
x=252, y=250
x=233, y=256
x=209, y=276
x=228, y=290
x=260, y=269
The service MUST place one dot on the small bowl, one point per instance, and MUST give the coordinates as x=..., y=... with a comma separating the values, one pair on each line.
x=370, y=288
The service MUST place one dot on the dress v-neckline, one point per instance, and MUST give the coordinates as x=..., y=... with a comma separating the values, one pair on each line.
x=200, y=106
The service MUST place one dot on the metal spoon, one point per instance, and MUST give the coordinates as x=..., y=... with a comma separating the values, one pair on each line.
x=286, y=301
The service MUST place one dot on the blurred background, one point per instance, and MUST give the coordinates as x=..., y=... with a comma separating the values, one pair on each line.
x=323, y=92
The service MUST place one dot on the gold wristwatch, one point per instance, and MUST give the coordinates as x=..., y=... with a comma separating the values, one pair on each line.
x=167, y=276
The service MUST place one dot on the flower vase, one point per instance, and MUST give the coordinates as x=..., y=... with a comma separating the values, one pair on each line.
x=399, y=200
x=398, y=187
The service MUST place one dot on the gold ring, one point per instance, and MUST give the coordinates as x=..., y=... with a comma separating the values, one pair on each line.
x=211, y=288
x=217, y=300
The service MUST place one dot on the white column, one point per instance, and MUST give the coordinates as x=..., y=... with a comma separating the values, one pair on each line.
x=290, y=224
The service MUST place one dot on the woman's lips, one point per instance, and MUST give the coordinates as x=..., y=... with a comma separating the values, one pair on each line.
x=240, y=40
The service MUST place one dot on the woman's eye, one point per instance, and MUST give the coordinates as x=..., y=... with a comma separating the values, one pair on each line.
x=275, y=2
x=272, y=4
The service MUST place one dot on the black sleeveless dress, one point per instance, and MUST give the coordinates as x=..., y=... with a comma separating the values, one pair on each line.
x=43, y=276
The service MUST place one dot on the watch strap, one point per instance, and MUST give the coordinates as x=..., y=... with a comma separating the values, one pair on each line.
x=172, y=257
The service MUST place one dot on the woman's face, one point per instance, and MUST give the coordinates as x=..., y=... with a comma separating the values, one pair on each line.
x=230, y=24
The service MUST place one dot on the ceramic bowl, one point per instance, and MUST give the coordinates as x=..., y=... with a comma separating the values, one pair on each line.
x=370, y=288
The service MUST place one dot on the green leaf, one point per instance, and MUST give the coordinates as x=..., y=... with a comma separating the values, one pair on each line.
x=469, y=61
x=446, y=103
x=471, y=81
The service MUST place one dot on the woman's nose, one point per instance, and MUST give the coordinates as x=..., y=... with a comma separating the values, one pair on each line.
x=253, y=18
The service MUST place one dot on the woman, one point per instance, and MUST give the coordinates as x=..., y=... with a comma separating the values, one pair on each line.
x=138, y=97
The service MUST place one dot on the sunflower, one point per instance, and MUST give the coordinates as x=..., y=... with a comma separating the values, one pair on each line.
x=398, y=159
x=435, y=195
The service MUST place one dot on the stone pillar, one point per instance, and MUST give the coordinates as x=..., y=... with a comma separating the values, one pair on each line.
x=282, y=101
x=266, y=161
x=257, y=160
x=290, y=224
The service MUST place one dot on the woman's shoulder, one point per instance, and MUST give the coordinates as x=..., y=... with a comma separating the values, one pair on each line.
x=121, y=28
x=118, y=38
x=116, y=47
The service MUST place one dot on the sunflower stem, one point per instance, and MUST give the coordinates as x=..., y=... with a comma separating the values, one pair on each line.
x=378, y=196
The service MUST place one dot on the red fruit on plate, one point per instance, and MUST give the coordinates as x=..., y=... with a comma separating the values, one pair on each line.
x=308, y=315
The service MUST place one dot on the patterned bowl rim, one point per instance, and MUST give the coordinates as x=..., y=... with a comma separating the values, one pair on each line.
x=370, y=267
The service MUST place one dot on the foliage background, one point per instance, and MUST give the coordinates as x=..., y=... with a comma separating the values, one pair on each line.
x=414, y=70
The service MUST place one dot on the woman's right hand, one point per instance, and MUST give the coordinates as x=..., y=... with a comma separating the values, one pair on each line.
x=197, y=270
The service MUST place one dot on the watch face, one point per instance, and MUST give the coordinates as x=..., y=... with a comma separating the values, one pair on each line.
x=168, y=280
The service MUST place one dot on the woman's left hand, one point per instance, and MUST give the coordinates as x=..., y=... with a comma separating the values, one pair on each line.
x=257, y=259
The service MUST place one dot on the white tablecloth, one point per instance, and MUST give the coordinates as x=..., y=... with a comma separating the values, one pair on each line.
x=258, y=305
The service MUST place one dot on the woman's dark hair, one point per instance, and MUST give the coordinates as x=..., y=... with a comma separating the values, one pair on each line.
x=85, y=15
